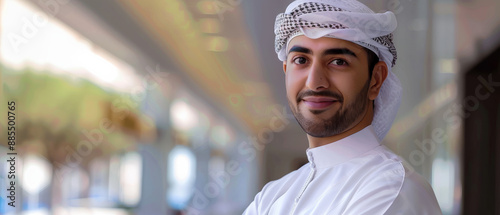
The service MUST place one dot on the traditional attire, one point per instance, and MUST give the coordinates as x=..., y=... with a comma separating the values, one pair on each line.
x=355, y=175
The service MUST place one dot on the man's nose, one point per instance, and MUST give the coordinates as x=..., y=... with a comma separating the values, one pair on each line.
x=317, y=77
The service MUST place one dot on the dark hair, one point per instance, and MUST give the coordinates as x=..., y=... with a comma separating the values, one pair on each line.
x=372, y=60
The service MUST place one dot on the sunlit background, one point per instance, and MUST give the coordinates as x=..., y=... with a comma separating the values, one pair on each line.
x=179, y=107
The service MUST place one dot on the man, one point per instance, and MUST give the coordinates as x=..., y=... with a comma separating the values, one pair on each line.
x=337, y=57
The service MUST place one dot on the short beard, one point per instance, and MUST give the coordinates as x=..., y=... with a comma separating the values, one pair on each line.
x=339, y=122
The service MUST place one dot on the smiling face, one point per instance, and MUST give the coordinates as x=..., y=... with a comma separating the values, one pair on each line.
x=328, y=85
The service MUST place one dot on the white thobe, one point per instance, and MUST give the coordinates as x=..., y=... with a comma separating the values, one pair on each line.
x=355, y=175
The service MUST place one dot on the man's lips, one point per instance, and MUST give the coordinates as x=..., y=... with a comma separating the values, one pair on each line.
x=317, y=102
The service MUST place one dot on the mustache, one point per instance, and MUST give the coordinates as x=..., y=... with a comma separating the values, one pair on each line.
x=305, y=93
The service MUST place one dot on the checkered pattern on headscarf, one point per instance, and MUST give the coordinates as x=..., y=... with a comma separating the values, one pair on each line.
x=288, y=23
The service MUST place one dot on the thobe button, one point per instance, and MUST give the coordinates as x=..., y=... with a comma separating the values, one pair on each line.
x=310, y=157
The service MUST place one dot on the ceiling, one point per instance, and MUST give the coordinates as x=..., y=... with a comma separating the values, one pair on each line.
x=223, y=50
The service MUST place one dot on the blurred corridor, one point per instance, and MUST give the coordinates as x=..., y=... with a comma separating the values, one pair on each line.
x=179, y=107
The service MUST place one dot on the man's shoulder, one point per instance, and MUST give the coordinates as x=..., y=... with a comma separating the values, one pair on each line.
x=414, y=192
x=380, y=160
x=392, y=182
x=387, y=163
x=401, y=168
x=415, y=197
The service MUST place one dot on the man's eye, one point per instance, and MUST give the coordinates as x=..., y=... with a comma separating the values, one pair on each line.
x=339, y=62
x=299, y=60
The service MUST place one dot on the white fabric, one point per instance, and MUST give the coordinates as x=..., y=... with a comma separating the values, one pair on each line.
x=355, y=175
x=363, y=25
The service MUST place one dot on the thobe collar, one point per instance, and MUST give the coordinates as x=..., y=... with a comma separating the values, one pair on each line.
x=344, y=149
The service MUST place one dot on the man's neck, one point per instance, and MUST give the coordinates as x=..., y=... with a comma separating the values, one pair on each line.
x=365, y=121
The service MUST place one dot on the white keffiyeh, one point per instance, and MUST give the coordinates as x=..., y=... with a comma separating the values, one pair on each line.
x=352, y=21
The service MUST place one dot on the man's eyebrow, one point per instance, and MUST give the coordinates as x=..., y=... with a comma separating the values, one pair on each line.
x=344, y=51
x=334, y=51
x=300, y=49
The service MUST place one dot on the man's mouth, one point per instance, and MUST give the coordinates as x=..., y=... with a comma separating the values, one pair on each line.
x=319, y=102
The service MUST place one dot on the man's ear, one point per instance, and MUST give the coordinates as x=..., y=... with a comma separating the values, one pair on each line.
x=379, y=75
x=284, y=67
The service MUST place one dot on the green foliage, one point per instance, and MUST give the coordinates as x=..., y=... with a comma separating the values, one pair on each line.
x=54, y=110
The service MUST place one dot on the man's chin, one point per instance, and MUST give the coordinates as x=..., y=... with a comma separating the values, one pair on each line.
x=323, y=131
x=316, y=127
x=321, y=125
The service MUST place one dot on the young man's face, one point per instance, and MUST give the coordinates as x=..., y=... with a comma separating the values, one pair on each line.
x=327, y=84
